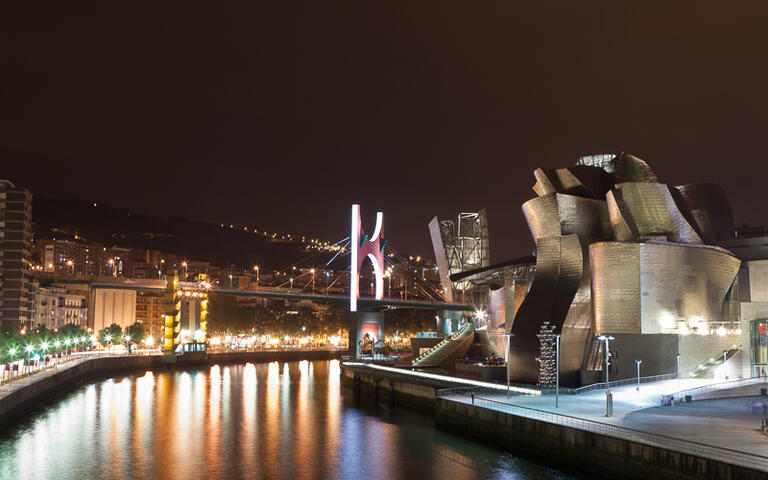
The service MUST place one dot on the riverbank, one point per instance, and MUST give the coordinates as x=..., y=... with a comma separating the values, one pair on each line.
x=20, y=396
x=592, y=446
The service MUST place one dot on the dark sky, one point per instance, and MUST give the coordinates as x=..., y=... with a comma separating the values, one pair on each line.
x=279, y=115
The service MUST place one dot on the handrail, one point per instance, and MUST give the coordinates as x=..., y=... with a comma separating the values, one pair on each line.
x=723, y=454
x=626, y=381
x=678, y=396
x=441, y=343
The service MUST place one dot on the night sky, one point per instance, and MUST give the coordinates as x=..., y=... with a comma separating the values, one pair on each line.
x=280, y=115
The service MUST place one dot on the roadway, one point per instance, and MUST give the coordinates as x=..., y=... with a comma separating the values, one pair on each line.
x=364, y=303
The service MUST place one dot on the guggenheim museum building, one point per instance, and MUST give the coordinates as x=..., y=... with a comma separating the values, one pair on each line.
x=660, y=270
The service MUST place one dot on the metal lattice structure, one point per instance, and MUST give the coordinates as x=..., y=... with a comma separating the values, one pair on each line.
x=460, y=245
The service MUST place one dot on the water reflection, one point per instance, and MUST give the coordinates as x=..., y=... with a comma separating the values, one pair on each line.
x=290, y=420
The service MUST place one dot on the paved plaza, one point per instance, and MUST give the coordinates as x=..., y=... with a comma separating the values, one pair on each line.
x=730, y=423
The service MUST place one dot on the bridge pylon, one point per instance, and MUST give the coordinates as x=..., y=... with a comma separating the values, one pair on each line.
x=363, y=323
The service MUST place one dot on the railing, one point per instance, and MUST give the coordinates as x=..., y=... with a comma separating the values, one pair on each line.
x=725, y=455
x=679, y=396
x=619, y=383
x=444, y=341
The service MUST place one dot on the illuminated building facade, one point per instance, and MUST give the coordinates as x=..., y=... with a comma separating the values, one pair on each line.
x=186, y=312
x=619, y=253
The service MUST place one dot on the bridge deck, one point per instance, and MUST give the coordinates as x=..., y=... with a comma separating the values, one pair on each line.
x=363, y=302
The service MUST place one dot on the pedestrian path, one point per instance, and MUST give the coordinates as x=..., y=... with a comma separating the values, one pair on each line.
x=636, y=418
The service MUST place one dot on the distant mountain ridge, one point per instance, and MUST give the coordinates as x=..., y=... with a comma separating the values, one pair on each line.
x=96, y=222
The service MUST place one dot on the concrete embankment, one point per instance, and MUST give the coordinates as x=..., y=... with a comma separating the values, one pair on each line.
x=22, y=395
x=393, y=388
x=595, y=453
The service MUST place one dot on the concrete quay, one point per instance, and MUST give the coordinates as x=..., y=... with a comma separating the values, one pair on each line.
x=577, y=434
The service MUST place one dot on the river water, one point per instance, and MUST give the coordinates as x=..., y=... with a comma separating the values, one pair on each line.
x=271, y=420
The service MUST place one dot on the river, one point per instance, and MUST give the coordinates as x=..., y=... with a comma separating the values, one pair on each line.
x=289, y=420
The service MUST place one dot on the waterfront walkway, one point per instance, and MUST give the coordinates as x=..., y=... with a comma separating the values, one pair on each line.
x=722, y=430
x=19, y=382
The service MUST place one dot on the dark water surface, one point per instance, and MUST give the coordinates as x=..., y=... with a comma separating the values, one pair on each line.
x=289, y=420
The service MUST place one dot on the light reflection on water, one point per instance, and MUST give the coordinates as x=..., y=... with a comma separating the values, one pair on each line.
x=269, y=420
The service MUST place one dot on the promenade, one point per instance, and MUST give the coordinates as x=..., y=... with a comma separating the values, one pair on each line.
x=638, y=416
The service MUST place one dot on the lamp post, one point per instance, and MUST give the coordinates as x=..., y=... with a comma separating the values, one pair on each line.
x=608, y=397
x=638, y=362
x=509, y=343
x=312, y=271
x=291, y=284
x=557, y=371
x=230, y=281
x=677, y=360
x=256, y=267
x=186, y=266
x=725, y=367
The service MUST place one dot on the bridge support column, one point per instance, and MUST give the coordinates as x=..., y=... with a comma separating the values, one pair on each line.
x=447, y=322
x=362, y=323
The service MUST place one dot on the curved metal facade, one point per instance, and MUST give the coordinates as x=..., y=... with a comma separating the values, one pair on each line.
x=558, y=214
x=579, y=180
x=657, y=287
x=643, y=210
x=617, y=252
x=707, y=208
x=629, y=168
x=559, y=268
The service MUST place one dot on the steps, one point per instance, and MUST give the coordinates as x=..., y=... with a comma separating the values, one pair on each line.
x=447, y=351
x=713, y=362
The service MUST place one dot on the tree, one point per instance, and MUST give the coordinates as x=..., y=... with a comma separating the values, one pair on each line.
x=135, y=333
x=10, y=343
x=111, y=335
x=72, y=331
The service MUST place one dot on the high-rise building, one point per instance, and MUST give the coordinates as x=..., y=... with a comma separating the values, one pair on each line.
x=16, y=307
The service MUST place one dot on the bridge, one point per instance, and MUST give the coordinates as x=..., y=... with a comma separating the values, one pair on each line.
x=187, y=301
x=364, y=303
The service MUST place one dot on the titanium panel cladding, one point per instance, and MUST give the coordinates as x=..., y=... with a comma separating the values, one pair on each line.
x=616, y=286
x=629, y=168
x=559, y=269
x=707, y=208
x=658, y=287
x=649, y=210
x=559, y=214
x=688, y=282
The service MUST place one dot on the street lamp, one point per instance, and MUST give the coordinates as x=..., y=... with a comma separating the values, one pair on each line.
x=256, y=267
x=71, y=264
x=186, y=269
x=312, y=271
x=557, y=371
x=638, y=362
x=725, y=367
x=291, y=284
x=509, y=357
x=608, y=397
x=677, y=360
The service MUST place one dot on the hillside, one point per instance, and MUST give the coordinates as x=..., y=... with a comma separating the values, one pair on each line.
x=95, y=222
